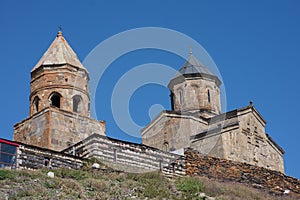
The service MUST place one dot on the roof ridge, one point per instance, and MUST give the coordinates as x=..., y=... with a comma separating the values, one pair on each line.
x=194, y=61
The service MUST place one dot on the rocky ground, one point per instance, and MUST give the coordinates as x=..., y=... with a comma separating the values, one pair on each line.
x=105, y=183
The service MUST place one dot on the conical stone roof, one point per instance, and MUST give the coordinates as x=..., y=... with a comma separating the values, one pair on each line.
x=59, y=53
x=193, y=66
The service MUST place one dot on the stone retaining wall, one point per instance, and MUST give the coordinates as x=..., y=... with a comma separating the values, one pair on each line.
x=32, y=157
x=127, y=156
x=225, y=170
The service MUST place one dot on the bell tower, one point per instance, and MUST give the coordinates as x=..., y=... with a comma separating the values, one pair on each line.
x=60, y=80
x=195, y=89
x=59, y=113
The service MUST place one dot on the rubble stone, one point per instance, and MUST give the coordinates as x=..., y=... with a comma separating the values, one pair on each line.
x=219, y=169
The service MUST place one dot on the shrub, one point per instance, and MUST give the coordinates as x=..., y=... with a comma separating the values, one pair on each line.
x=155, y=185
x=6, y=174
x=71, y=173
x=51, y=184
x=95, y=184
x=191, y=187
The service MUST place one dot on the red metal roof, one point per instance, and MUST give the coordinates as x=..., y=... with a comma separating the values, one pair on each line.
x=8, y=142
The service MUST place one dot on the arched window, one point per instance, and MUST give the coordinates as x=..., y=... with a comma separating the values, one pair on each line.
x=208, y=96
x=55, y=99
x=35, y=103
x=77, y=103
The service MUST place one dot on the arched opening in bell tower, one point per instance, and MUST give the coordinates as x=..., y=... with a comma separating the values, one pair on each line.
x=55, y=99
x=35, y=104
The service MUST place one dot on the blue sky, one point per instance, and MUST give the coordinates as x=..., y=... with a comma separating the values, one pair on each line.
x=255, y=45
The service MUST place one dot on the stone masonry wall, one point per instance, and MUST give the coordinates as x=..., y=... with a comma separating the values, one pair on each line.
x=224, y=170
x=34, y=130
x=32, y=157
x=128, y=156
x=56, y=129
x=250, y=143
x=167, y=134
x=240, y=136
x=192, y=95
x=171, y=131
x=68, y=128
x=65, y=80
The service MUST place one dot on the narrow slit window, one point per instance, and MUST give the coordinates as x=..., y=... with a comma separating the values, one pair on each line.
x=180, y=97
x=115, y=155
x=208, y=96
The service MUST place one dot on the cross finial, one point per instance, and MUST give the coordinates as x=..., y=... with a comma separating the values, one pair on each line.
x=59, y=31
x=251, y=103
x=191, y=50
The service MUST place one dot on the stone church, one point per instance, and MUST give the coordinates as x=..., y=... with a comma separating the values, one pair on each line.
x=59, y=120
x=196, y=122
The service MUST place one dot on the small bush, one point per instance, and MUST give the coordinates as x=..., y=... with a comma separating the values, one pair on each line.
x=132, y=176
x=154, y=184
x=190, y=186
x=156, y=190
x=95, y=185
x=50, y=184
x=6, y=174
x=23, y=193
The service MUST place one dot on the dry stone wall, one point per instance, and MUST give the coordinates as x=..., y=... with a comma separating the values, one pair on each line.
x=224, y=170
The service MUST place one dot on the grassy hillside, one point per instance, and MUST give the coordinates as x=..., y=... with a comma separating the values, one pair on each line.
x=109, y=184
